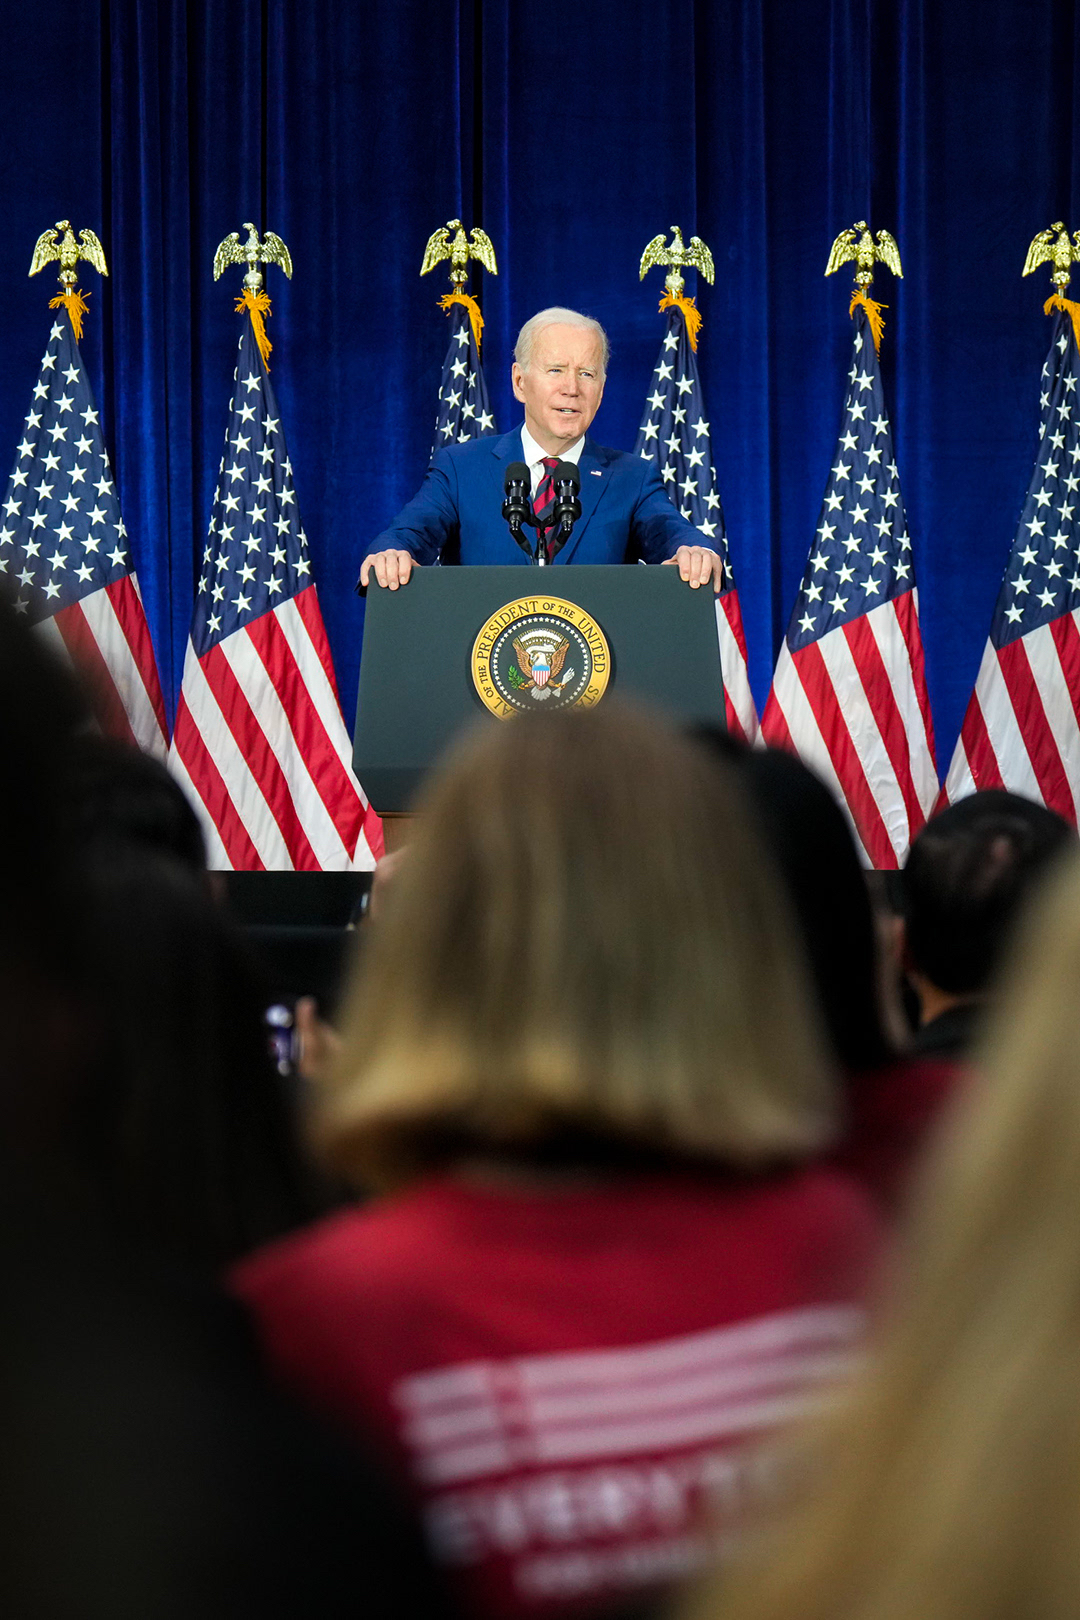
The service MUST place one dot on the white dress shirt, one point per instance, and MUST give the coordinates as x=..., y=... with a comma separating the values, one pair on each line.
x=534, y=454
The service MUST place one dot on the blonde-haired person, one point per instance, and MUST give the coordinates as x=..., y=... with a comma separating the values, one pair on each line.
x=580, y=1067
x=948, y=1487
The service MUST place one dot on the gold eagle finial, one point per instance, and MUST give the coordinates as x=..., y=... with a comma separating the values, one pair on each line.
x=459, y=249
x=679, y=257
x=253, y=253
x=69, y=252
x=1054, y=244
x=858, y=244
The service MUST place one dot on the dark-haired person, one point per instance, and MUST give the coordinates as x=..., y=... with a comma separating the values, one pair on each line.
x=559, y=370
x=892, y=1097
x=967, y=878
x=581, y=1070
x=185, y=1136
x=115, y=796
x=148, y=1471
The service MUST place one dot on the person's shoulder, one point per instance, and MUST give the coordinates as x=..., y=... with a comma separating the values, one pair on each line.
x=772, y=1204
x=354, y=1243
x=623, y=467
x=476, y=450
x=828, y=1196
x=817, y=1215
x=605, y=456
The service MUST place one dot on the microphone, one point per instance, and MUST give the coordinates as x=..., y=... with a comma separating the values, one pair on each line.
x=567, y=508
x=517, y=508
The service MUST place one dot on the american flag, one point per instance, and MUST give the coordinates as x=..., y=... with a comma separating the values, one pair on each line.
x=63, y=548
x=849, y=690
x=464, y=408
x=1021, y=730
x=674, y=433
x=259, y=740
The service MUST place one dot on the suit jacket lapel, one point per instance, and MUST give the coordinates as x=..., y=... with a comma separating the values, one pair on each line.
x=507, y=447
x=504, y=449
x=595, y=471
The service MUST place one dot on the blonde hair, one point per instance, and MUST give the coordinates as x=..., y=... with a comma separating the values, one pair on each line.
x=584, y=936
x=557, y=316
x=949, y=1488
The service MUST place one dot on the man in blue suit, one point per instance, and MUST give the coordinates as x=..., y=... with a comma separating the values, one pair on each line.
x=560, y=362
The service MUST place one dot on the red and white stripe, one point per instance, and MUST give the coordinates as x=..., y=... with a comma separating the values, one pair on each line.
x=1022, y=727
x=262, y=748
x=854, y=707
x=742, y=719
x=486, y=1418
x=107, y=640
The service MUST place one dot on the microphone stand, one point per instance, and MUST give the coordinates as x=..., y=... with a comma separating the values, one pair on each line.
x=517, y=507
x=553, y=532
x=566, y=508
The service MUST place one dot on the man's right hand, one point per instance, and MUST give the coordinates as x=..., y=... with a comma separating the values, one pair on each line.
x=391, y=568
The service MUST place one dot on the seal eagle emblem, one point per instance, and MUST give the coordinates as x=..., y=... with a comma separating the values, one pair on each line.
x=539, y=654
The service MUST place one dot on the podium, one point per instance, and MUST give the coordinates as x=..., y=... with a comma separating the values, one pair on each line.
x=417, y=690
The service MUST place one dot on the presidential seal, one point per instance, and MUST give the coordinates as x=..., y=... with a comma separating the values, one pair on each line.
x=539, y=654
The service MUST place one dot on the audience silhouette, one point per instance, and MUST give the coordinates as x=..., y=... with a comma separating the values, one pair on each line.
x=622, y=1081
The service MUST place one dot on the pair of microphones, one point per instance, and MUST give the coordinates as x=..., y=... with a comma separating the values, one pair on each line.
x=554, y=528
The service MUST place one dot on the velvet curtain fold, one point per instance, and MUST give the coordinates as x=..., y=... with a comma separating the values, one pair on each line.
x=573, y=137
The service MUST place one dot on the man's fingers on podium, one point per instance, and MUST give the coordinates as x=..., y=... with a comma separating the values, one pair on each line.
x=392, y=568
x=399, y=566
x=696, y=564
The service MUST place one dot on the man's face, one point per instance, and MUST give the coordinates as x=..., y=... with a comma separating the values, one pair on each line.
x=562, y=389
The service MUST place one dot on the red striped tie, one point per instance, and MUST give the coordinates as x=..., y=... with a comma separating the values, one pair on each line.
x=545, y=490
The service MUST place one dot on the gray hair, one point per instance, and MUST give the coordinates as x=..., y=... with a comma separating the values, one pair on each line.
x=556, y=316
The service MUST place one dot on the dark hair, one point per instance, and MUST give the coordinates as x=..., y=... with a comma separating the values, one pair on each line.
x=967, y=875
x=41, y=712
x=115, y=794
x=185, y=1134
x=810, y=841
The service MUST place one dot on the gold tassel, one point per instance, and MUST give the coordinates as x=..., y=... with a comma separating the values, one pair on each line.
x=76, y=306
x=258, y=306
x=476, y=320
x=1055, y=301
x=691, y=315
x=859, y=300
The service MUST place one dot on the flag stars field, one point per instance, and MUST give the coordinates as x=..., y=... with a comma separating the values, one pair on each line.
x=846, y=520
x=260, y=488
x=62, y=465
x=48, y=537
x=674, y=435
x=464, y=408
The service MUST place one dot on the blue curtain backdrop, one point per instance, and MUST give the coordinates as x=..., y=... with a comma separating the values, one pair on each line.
x=572, y=136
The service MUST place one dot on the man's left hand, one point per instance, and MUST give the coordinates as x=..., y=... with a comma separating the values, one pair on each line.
x=698, y=566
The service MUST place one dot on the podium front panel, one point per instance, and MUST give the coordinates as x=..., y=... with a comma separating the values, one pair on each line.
x=416, y=689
